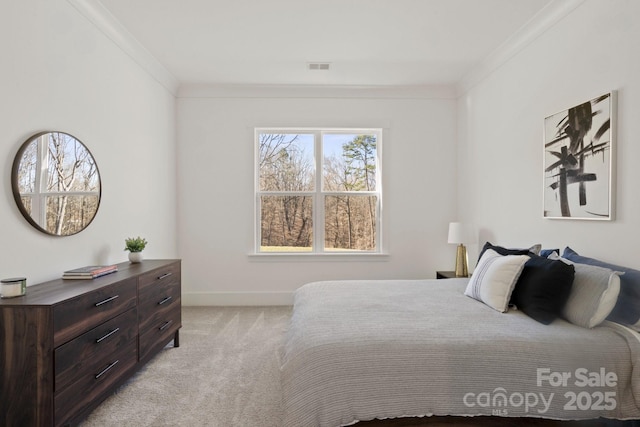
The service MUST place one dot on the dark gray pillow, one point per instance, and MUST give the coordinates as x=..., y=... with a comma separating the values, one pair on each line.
x=535, y=249
x=543, y=288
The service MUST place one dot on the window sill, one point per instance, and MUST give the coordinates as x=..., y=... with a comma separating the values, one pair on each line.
x=331, y=257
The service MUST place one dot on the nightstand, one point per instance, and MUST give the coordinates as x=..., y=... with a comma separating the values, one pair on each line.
x=446, y=275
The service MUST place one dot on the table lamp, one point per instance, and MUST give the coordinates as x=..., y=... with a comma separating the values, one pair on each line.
x=460, y=233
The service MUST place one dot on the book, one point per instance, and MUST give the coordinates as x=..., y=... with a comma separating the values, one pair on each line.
x=86, y=276
x=91, y=269
x=90, y=272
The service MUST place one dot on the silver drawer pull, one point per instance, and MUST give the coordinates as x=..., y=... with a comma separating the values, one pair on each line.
x=105, y=370
x=165, y=325
x=167, y=299
x=164, y=275
x=107, y=335
x=98, y=304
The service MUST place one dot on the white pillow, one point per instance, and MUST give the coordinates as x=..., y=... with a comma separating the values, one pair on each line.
x=593, y=295
x=494, y=278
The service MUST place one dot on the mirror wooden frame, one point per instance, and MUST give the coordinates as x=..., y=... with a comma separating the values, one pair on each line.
x=57, y=204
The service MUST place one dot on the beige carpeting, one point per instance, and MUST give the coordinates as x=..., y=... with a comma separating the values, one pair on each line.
x=225, y=373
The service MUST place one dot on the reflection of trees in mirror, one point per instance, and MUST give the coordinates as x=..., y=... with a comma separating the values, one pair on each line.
x=287, y=180
x=58, y=183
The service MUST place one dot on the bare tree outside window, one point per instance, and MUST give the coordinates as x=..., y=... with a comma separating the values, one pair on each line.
x=350, y=218
x=287, y=173
x=340, y=206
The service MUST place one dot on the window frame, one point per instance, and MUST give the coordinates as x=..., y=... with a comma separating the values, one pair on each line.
x=318, y=194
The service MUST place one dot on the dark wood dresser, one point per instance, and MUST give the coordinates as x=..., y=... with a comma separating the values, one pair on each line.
x=67, y=344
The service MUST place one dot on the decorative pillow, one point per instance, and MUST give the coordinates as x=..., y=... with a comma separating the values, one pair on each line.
x=546, y=252
x=543, y=288
x=627, y=308
x=494, y=277
x=535, y=249
x=593, y=294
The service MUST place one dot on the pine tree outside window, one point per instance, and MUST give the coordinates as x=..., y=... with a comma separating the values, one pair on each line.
x=318, y=191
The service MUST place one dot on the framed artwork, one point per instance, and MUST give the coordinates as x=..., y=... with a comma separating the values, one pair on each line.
x=579, y=161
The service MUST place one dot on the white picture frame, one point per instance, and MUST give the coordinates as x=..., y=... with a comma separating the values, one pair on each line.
x=579, y=167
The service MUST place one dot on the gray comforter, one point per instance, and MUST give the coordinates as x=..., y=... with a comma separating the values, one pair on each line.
x=359, y=350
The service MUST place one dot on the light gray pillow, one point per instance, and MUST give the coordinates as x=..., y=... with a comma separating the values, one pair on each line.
x=593, y=295
x=536, y=248
x=494, y=278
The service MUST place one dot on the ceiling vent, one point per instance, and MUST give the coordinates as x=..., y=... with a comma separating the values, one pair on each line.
x=319, y=66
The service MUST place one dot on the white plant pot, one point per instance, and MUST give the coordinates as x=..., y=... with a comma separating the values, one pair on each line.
x=135, y=256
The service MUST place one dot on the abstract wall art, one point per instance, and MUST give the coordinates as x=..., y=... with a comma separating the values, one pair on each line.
x=579, y=161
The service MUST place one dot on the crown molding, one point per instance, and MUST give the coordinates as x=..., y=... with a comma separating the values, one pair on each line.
x=104, y=21
x=315, y=91
x=550, y=15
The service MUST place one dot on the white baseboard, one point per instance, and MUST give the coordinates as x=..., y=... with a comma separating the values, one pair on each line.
x=236, y=298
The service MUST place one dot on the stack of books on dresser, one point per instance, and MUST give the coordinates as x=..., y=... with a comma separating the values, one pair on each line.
x=90, y=272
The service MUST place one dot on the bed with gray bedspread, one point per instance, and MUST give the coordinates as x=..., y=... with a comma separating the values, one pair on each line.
x=361, y=350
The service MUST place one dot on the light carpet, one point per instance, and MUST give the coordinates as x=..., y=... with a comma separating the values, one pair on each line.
x=225, y=373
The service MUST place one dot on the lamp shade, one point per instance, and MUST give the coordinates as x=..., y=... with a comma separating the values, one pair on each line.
x=460, y=232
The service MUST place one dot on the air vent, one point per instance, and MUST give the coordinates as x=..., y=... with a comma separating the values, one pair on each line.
x=319, y=65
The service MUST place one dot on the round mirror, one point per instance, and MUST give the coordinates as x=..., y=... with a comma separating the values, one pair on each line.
x=56, y=183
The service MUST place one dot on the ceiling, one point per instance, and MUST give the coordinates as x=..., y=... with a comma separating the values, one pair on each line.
x=366, y=42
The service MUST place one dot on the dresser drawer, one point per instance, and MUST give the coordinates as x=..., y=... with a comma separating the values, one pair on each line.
x=76, y=316
x=169, y=273
x=155, y=302
x=160, y=331
x=102, y=374
x=74, y=358
x=58, y=371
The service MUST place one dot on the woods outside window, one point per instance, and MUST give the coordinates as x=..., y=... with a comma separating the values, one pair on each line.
x=318, y=190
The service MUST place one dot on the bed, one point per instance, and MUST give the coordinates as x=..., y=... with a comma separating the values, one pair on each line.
x=385, y=349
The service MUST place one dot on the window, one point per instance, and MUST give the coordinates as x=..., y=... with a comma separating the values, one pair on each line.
x=318, y=190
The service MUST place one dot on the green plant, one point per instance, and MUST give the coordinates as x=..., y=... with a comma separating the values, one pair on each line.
x=135, y=244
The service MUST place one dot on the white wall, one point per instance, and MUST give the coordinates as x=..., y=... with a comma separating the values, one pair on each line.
x=591, y=51
x=58, y=72
x=216, y=176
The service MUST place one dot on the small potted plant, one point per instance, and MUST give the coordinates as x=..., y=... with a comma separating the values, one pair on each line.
x=135, y=246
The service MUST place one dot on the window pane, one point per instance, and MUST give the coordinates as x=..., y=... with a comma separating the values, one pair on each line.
x=27, y=169
x=286, y=224
x=68, y=215
x=286, y=162
x=349, y=162
x=350, y=223
x=26, y=202
x=70, y=165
